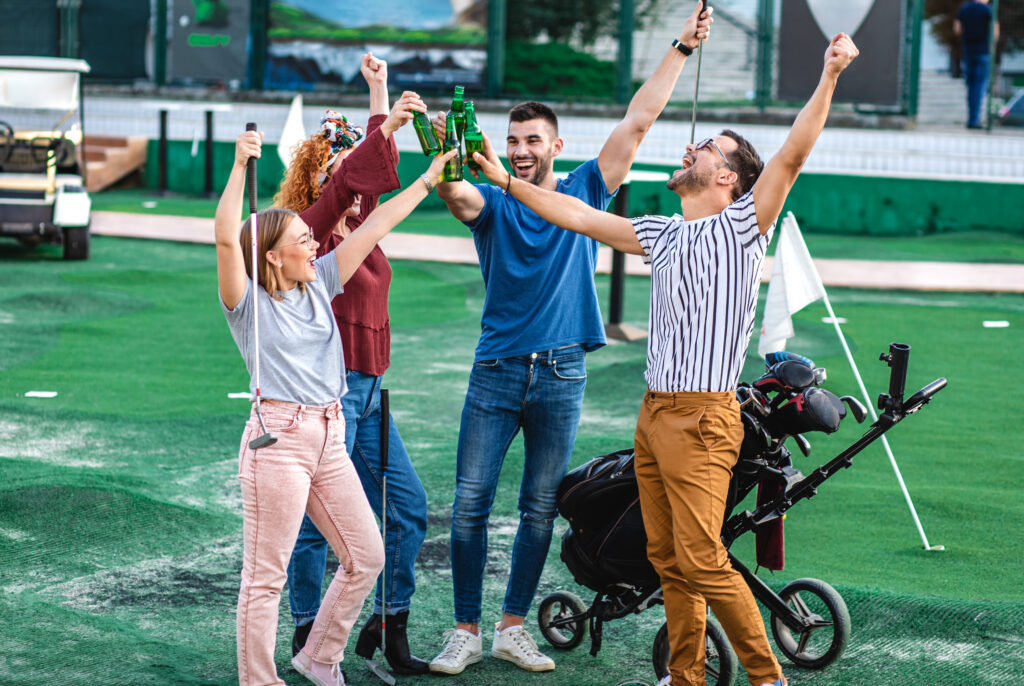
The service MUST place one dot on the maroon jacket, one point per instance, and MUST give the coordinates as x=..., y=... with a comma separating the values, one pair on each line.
x=362, y=310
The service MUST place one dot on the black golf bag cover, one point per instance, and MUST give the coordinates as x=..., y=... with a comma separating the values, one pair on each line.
x=606, y=542
x=813, y=409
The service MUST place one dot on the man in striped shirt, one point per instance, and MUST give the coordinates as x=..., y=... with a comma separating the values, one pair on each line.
x=705, y=269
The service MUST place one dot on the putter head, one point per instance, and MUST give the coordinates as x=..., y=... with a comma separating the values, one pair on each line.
x=267, y=439
x=378, y=670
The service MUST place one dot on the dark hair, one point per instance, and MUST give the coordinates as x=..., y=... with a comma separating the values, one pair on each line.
x=745, y=161
x=525, y=111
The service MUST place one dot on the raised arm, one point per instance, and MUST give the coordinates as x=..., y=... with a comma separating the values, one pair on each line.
x=230, y=259
x=375, y=71
x=779, y=175
x=353, y=250
x=617, y=155
x=560, y=209
x=463, y=200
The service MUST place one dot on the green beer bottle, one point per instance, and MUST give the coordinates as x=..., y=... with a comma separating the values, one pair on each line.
x=473, y=137
x=425, y=132
x=458, y=111
x=453, y=167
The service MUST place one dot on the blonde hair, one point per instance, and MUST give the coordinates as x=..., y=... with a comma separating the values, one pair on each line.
x=270, y=227
x=301, y=185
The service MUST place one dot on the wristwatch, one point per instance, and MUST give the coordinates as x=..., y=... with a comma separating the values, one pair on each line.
x=682, y=47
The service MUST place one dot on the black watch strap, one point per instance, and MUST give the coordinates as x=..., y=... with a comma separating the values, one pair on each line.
x=681, y=47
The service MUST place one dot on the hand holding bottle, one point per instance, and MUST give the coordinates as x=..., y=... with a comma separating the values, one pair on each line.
x=403, y=111
x=491, y=166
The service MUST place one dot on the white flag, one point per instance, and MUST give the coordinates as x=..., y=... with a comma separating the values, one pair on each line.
x=794, y=285
x=292, y=133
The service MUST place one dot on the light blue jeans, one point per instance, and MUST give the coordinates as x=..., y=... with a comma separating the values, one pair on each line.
x=407, y=508
x=542, y=394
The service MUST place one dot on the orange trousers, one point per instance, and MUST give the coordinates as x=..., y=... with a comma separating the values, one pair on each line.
x=686, y=446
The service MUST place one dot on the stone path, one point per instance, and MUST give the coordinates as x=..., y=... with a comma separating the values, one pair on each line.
x=925, y=276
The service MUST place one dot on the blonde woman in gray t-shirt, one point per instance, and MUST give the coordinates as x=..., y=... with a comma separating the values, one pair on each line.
x=308, y=469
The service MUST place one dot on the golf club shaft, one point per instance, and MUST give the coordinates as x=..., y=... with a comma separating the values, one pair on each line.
x=385, y=430
x=696, y=83
x=250, y=179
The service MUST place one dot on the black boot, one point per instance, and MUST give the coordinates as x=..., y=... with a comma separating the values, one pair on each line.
x=300, y=636
x=397, y=649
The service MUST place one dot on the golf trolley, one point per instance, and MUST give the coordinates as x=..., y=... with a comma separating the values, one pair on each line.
x=605, y=545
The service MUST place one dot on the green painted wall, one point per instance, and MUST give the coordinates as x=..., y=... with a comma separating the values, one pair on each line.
x=821, y=202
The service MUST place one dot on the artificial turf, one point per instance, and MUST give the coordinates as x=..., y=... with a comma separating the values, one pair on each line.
x=120, y=534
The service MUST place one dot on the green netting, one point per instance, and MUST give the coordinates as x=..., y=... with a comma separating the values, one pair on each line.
x=120, y=535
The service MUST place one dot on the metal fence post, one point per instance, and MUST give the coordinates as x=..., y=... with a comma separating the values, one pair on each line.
x=765, y=50
x=495, y=48
x=160, y=43
x=624, y=63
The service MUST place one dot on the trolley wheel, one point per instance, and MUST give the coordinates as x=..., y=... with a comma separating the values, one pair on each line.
x=720, y=663
x=554, y=615
x=821, y=644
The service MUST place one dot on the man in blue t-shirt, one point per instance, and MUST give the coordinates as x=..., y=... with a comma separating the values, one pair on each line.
x=971, y=25
x=540, y=318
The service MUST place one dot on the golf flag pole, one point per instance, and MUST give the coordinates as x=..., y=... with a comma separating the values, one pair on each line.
x=794, y=284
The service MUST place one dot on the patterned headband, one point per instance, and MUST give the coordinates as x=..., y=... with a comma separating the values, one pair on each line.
x=335, y=128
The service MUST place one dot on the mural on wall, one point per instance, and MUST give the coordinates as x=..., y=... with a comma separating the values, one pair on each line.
x=428, y=44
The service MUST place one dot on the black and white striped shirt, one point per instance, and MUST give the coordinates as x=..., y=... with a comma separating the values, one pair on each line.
x=704, y=280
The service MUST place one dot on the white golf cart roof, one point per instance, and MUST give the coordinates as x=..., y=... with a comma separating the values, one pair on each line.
x=49, y=83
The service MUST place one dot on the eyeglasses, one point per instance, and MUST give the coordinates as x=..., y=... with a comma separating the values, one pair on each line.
x=306, y=241
x=711, y=141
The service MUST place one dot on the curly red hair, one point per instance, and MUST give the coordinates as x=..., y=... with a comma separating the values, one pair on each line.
x=301, y=184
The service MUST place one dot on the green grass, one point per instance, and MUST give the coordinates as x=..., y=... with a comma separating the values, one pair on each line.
x=120, y=533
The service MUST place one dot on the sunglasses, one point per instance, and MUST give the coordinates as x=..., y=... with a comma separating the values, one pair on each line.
x=306, y=241
x=711, y=141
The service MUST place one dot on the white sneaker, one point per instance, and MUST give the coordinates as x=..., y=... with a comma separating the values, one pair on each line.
x=461, y=649
x=665, y=681
x=318, y=672
x=518, y=647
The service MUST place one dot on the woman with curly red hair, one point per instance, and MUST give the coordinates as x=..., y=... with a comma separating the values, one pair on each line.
x=334, y=185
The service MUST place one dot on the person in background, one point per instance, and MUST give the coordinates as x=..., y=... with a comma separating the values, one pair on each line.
x=972, y=26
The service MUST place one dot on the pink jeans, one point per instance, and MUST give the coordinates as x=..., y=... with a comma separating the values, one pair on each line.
x=307, y=470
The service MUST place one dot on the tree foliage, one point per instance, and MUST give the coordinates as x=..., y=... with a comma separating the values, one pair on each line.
x=562, y=20
x=1011, y=22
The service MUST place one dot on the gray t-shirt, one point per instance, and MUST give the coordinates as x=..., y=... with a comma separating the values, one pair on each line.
x=301, y=359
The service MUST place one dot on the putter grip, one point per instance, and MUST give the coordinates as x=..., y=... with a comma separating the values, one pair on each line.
x=250, y=174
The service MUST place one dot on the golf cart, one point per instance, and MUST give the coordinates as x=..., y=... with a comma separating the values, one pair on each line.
x=42, y=190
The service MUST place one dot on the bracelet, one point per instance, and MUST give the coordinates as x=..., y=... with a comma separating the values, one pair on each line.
x=509, y=184
x=681, y=47
x=426, y=182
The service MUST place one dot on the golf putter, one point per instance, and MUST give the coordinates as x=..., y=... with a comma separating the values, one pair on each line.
x=377, y=666
x=266, y=438
x=696, y=83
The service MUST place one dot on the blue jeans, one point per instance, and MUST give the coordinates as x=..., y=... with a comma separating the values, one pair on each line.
x=541, y=393
x=407, y=508
x=976, y=75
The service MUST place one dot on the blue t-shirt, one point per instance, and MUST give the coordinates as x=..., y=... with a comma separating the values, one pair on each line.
x=539, y=278
x=975, y=20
